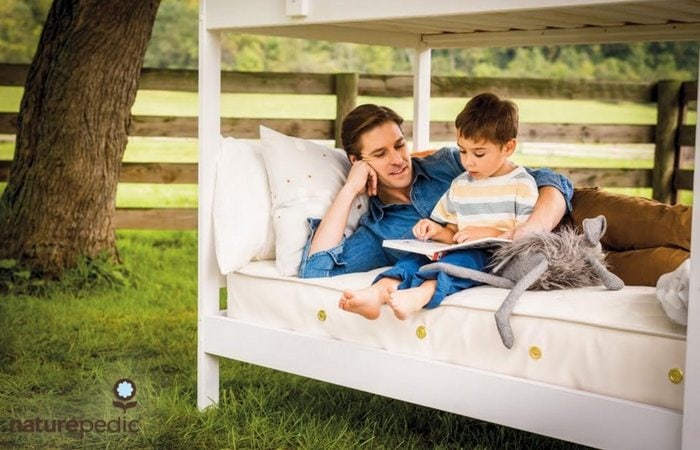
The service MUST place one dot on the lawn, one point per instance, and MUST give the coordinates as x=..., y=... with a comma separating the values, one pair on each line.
x=61, y=354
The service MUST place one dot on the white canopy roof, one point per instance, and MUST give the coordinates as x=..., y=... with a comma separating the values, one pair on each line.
x=461, y=23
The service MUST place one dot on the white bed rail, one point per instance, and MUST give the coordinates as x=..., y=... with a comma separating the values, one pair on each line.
x=208, y=276
x=691, y=395
x=576, y=416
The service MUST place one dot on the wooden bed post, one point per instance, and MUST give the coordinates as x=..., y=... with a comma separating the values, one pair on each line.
x=421, y=99
x=208, y=278
x=691, y=394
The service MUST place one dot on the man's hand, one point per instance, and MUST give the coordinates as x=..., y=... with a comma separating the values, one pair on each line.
x=425, y=229
x=362, y=178
x=472, y=233
x=523, y=230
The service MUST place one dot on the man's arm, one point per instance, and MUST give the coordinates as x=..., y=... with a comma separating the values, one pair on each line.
x=548, y=212
x=330, y=231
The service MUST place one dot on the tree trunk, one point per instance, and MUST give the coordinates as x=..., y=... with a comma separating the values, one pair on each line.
x=72, y=132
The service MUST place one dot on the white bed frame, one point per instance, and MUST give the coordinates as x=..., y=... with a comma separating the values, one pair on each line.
x=562, y=413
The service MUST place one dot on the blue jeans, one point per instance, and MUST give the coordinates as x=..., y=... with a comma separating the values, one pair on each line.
x=407, y=269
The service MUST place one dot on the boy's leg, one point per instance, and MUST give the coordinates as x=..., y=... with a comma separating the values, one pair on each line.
x=407, y=301
x=367, y=302
x=430, y=287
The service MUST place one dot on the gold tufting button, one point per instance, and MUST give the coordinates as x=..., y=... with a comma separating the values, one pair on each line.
x=535, y=352
x=321, y=315
x=675, y=375
x=421, y=332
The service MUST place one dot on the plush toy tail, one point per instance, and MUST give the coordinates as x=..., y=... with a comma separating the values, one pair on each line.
x=504, y=312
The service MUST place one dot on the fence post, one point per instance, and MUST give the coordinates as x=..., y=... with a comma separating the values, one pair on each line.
x=666, y=152
x=346, y=100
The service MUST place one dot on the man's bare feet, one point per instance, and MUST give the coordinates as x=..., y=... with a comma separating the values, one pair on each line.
x=365, y=302
x=408, y=301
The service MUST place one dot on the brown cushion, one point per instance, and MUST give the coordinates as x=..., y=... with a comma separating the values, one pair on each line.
x=633, y=222
x=644, y=267
x=422, y=153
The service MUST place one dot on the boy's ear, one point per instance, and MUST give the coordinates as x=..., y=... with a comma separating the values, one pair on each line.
x=352, y=158
x=509, y=148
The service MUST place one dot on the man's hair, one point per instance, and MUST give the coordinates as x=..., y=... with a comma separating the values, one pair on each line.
x=362, y=119
x=488, y=117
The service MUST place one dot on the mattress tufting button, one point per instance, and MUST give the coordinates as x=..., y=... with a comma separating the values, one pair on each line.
x=675, y=375
x=421, y=332
x=535, y=352
x=321, y=315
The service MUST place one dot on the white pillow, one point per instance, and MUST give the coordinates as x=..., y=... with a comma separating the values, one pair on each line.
x=242, y=211
x=673, y=291
x=304, y=179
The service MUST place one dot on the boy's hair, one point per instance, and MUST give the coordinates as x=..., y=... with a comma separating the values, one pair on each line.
x=488, y=117
x=362, y=119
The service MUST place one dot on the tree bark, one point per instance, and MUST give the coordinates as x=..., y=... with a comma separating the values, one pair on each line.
x=59, y=202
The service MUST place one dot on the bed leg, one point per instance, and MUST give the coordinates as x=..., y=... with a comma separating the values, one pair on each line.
x=207, y=380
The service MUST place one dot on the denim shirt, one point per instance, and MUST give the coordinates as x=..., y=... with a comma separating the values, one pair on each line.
x=363, y=251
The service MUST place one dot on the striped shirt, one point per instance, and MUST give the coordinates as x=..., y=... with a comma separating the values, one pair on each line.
x=500, y=202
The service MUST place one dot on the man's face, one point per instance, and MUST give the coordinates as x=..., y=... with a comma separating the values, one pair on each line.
x=384, y=149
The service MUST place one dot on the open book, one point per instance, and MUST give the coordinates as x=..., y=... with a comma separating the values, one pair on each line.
x=435, y=250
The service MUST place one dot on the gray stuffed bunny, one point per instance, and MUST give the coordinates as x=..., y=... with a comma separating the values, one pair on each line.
x=543, y=261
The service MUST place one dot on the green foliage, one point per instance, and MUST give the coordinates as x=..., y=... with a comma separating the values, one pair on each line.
x=174, y=39
x=20, y=27
x=90, y=274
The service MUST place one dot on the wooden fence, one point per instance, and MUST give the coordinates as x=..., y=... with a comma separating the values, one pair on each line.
x=669, y=134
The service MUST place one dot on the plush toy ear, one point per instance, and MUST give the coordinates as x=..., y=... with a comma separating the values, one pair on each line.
x=593, y=230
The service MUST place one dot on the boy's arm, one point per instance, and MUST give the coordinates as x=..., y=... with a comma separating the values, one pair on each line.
x=446, y=234
x=426, y=229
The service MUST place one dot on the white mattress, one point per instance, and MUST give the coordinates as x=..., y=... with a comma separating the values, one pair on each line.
x=616, y=343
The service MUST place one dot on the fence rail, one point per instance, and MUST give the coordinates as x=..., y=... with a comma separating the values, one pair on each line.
x=668, y=135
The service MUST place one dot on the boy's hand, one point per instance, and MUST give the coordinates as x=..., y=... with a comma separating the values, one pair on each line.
x=362, y=178
x=425, y=229
x=472, y=233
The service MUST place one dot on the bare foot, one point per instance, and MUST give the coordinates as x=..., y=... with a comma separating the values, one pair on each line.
x=365, y=302
x=408, y=301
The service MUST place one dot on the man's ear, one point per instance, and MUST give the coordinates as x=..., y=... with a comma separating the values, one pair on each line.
x=352, y=158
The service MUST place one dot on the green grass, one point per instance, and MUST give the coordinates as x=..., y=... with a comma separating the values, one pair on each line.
x=61, y=353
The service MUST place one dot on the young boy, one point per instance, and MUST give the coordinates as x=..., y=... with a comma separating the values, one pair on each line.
x=491, y=197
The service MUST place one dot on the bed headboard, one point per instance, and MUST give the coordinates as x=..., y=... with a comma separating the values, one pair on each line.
x=423, y=25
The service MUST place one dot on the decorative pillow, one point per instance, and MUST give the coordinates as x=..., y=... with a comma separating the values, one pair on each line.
x=634, y=222
x=644, y=267
x=645, y=238
x=304, y=179
x=242, y=210
x=672, y=290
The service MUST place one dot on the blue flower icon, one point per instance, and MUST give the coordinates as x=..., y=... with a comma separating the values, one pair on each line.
x=124, y=390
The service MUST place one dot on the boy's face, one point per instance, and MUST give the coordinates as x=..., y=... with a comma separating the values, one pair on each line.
x=485, y=159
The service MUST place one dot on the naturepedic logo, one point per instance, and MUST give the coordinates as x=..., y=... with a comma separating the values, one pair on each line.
x=124, y=391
